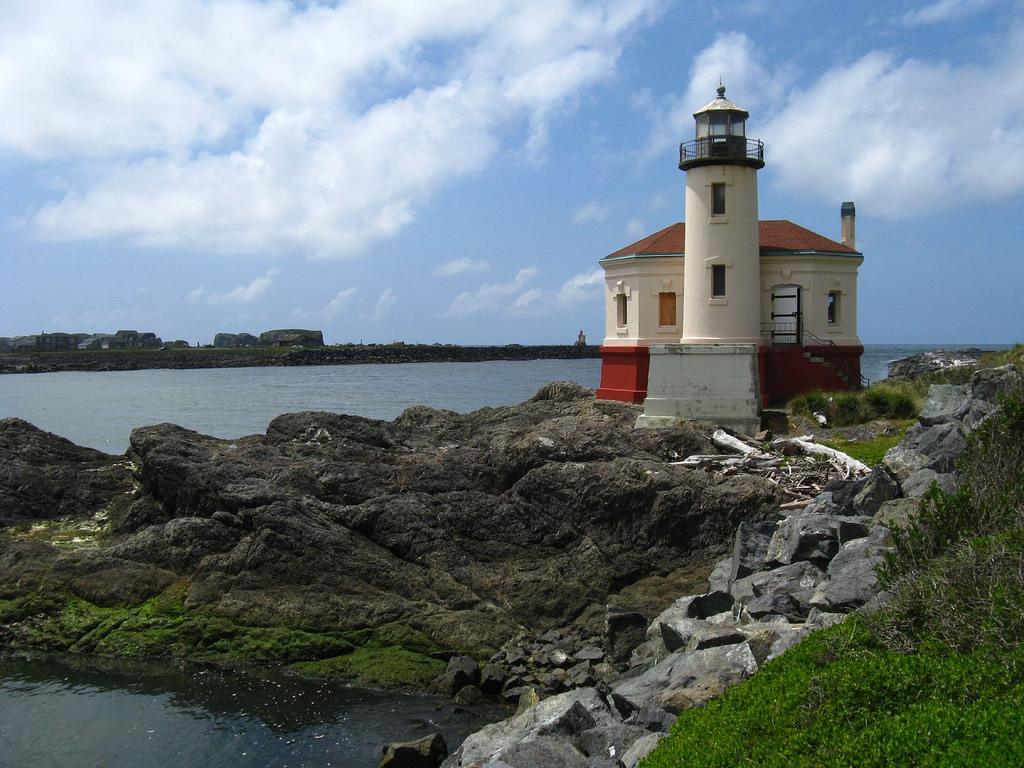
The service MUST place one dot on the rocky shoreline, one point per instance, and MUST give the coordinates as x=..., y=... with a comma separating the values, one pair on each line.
x=609, y=702
x=549, y=540
x=344, y=354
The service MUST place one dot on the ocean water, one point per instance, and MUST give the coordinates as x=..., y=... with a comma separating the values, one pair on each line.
x=100, y=410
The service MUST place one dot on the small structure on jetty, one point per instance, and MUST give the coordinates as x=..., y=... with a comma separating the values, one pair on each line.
x=709, y=319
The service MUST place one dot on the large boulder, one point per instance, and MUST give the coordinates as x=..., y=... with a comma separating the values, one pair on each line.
x=562, y=718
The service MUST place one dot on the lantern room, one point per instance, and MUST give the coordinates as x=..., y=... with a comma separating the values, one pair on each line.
x=721, y=135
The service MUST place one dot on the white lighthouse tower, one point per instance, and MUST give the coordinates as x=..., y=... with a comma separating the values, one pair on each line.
x=712, y=373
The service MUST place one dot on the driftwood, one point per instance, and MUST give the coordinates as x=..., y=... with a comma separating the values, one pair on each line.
x=806, y=445
x=798, y=466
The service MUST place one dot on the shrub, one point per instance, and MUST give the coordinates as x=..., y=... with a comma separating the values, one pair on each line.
x=810, y=403
x=955, y=573
x=886, y=402
x=846, y=409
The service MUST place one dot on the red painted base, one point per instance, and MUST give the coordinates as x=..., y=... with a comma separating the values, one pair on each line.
x=785, y=372
x=624, y=374
x=790, y=371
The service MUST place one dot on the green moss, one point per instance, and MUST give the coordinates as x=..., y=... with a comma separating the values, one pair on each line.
x=386, y=667
x=393, y=635
x=160, y=628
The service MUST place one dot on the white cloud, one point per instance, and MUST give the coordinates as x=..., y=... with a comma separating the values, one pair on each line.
x=266, y=126
x=902, y=138
x=385, y=302
x=581, y=288
x=338, y=303
x=329, y=311
x=635, y=229
x=461, y=266
x=592, y=211
x=490, y=297
x=944, y=10
x=243, y=294
x=516, y=299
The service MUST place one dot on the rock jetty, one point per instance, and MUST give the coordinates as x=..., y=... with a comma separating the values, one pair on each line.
x=262, y=356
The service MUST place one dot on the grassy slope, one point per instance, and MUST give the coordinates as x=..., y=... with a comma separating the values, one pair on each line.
x=912, y=685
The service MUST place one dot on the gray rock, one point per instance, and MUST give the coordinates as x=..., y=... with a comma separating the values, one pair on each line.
x=427, y=752
x=492, y=678
x=989, y=384
x=811, y=537
x=539, y=753
x=902, y=461
x=686, y=679
x=774, y=604
x=721, y=576
x=946, y=403
x=750, y=548
x=652, y=719
x=787, y=639
x=558, y=718
x=624, y=631
x=799, y=580
x=920, y=482
x=712, y=637
x=703, y=606
x=896, y=513
x=823, y=504
x=852, y=580
x=676, y=633
x=879, y=488
x=640, y=749
x=610, y=740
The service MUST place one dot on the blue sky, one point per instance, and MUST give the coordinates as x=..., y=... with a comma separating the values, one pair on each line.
x=453, y=170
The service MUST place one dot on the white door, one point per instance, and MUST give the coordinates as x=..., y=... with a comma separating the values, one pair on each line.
x=786, y=320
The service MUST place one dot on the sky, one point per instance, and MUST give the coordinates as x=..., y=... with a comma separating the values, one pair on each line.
x=452, y=171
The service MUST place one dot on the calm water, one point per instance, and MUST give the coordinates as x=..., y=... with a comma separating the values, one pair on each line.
x=83, y=713
x=86, y=713
x=100, y=410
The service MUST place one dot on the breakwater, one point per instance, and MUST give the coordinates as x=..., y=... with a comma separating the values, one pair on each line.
x=345, y=354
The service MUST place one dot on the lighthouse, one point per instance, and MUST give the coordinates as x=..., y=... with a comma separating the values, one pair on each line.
x=722, y=273
x=712, y=372
x=708, y=319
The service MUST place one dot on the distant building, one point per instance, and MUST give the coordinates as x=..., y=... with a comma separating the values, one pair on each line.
x=292, y=337
x=234, y=340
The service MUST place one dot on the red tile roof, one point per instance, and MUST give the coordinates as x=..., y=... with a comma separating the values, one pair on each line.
x=775, y=235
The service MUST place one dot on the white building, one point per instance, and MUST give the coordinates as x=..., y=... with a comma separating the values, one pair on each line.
x=725, y=294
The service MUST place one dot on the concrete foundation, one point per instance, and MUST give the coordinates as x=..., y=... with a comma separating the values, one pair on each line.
x=713, y=383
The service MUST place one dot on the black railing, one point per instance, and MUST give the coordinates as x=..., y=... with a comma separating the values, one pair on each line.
x=716, y=148
x=786, y=335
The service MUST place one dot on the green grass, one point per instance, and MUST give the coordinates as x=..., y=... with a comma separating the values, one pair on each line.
x=839, y=699
x=871, y=452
